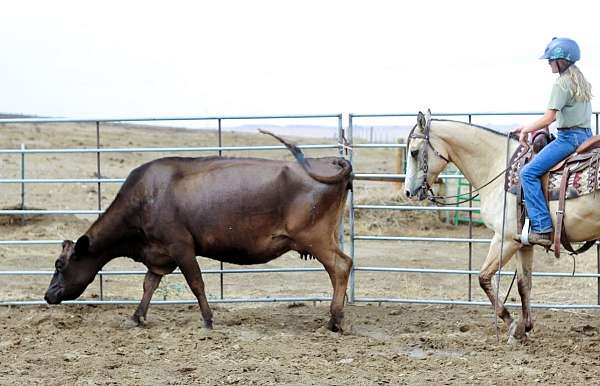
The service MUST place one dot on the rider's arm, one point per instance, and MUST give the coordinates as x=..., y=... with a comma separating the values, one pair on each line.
x=548, y=118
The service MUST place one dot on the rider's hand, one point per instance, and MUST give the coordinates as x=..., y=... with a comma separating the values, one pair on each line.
x=523, y=135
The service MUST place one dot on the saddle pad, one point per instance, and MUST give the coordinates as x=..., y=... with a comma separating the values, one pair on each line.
x=583, y=178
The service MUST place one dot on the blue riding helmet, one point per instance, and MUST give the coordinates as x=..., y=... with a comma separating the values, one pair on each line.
x=562, y=48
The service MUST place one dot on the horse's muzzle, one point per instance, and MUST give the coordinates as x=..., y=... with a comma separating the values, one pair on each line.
x=419, y=195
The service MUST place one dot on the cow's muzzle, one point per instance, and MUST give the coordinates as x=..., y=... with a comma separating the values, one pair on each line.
x=53, y=297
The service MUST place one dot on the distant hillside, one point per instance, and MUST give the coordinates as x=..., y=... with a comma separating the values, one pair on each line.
x=10, y=116
x=383, y=133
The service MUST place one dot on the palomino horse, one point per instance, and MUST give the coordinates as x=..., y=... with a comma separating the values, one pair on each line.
x=480, y=154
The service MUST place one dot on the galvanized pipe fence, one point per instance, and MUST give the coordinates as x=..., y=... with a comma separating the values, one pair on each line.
x=342, y=135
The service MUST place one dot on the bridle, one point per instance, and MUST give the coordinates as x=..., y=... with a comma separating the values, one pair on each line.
x=424, y=155
x=424, y=167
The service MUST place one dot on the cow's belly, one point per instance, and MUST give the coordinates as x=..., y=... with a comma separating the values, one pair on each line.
x=244, y=252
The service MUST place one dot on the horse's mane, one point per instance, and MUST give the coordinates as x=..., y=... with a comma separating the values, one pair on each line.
x=471, y=124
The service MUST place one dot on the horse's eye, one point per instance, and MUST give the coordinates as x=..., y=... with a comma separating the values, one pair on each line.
x=414, y=153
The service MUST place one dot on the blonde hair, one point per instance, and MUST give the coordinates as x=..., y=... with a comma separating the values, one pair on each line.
x=572, y=78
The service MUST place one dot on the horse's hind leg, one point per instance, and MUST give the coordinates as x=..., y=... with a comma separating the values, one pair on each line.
x=518, y=332
x=490, y=267
x=151, y=282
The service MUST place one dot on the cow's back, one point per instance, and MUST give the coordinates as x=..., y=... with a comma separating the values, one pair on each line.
x=233, y=205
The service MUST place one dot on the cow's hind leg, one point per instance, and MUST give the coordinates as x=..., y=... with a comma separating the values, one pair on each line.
x=186, y=260
x=151, y=282
x=338, y=265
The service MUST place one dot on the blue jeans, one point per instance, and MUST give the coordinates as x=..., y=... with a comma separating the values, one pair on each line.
x=537, y=207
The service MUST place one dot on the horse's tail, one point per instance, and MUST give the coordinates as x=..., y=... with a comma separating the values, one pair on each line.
x=299, y=155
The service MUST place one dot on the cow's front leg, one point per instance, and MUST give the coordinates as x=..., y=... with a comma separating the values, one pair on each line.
x=186, y=260
x=151, y=282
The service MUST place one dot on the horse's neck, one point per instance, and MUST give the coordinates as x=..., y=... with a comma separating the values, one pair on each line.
x=479, y=154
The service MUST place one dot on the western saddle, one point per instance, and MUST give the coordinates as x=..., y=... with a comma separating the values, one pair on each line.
x=576, y=175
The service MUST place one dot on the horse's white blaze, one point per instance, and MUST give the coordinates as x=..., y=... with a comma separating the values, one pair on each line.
x=414, y=177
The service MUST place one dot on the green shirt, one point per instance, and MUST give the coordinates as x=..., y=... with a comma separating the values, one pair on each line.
x=570, y=113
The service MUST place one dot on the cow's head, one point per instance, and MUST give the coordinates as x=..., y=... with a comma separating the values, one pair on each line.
x=75, y=269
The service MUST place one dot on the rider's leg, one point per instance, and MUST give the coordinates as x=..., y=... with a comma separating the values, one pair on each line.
x=537, y=208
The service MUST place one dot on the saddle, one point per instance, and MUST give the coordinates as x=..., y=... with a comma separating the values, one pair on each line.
x=576, y=175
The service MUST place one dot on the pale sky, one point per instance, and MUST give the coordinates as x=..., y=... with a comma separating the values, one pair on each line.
x=146, y=58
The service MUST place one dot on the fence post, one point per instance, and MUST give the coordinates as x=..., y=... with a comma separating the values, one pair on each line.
x=340, y=140
x=400, y=158
x=22, y=182
x=220, y=139
x=99, y=176
x=22, y=176
x=598, y=246
x=471, y=235
x=351, y=214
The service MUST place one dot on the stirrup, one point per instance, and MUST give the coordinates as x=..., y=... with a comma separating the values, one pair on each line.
x=525, y=232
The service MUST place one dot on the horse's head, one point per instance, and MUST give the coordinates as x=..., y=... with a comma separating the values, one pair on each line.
x=424, y=160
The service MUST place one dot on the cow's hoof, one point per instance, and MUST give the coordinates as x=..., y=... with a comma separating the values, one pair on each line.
x=131, y=322
x=139, y=320
x=335, y=326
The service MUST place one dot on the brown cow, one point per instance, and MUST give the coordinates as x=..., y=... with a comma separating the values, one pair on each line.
x=236, y=210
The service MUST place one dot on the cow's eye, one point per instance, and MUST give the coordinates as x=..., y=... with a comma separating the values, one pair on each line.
x=59, y=265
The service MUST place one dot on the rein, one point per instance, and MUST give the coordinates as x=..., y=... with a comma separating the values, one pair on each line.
x=435, y=199
x=425, y=167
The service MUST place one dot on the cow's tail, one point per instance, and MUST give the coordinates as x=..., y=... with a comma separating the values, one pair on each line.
x=345, y=165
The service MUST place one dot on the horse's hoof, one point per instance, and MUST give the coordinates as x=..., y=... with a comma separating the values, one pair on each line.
x=208, y=324
x=516, y=333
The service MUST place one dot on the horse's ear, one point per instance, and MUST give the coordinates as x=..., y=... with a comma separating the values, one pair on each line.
x=428, y=116
x=421, y=121
x=82, y=246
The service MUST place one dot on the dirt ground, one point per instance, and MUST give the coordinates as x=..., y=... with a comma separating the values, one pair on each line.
x=271, y=343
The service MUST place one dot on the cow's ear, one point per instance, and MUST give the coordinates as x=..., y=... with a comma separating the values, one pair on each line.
x=68, y=249
x=67, y=244
x=82, y=246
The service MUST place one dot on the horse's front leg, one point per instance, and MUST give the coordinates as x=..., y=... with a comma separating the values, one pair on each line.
x=518, y=331
x=489, y=269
